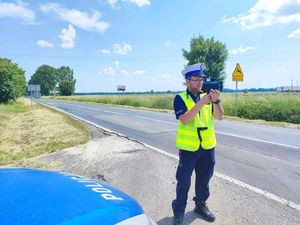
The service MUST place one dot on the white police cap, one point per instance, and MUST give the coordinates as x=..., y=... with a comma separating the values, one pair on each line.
x=194, y=70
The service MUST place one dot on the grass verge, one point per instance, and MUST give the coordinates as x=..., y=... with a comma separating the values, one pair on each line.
x=27, y=131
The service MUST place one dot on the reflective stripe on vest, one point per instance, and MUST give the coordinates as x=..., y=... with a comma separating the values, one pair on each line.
x=200, y=131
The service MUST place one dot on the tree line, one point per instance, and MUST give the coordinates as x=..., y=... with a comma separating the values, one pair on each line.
x=13, y=83
x=52, y=80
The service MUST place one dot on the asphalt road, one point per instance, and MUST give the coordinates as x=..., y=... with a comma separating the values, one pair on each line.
x=264, y=157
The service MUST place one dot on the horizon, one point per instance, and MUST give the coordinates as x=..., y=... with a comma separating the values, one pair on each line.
x=138, y=43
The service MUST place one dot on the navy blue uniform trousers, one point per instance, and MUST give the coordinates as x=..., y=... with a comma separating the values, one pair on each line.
x=202, y=161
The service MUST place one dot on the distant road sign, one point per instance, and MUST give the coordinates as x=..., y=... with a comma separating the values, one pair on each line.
x=34, y=87
x=237, y=74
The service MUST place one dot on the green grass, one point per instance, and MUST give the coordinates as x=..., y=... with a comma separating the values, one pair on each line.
x=26, y=132
x=280, y=107
x=14, y=107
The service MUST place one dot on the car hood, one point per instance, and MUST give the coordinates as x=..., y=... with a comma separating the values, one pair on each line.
x=30, y=196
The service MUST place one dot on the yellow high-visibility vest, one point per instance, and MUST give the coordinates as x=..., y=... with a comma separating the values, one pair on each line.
x=198, y=132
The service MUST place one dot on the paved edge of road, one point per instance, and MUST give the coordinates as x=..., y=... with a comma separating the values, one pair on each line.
x=219, y=175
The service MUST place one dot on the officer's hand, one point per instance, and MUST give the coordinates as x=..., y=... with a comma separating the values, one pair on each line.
x=205, y=99
x=214, y=94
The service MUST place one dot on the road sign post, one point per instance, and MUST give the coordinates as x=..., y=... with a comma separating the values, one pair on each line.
x=237, y=76
x=35, y=91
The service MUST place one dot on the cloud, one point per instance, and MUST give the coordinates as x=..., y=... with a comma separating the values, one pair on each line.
x=105, y=51
x=111, y=70
x=18, y=10
x=112, y=2
x=241, y=49
x=108, y=71
x=294, y=34
x=122, y=49
x=139, y=72
x=80, y=19
x=266, y=13
x=168, y=44
x=67, y=37
x=116, y=3
x=132, y=74
x=126, y=73
x=139, y=3
x=44, y=44
x=117, y=64
x=115, y=69
x=164, y=76
x=281, y=71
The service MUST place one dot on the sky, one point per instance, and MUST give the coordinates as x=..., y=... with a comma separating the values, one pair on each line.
x=138, y=43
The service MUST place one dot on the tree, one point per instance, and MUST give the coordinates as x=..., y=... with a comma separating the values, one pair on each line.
x=67, y=87
x=64, y=73
x=46, y=76
x=66, y=81
x=210, y=52
x=12, y=81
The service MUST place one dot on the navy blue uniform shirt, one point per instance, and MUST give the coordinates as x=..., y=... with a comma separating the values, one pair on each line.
x=179, y=105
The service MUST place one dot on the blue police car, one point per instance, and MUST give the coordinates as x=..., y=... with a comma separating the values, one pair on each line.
x=39, y=197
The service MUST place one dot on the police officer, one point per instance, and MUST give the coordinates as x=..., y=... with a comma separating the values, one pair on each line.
x=196, y=141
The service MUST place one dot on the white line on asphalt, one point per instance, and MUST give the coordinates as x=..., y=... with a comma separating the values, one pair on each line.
x=154, y=120
x=222, y=176
x=259, y=140
x=100, y=110
x=112, y=112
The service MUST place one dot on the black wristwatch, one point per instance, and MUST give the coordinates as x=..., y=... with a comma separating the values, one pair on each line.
x=217, y=101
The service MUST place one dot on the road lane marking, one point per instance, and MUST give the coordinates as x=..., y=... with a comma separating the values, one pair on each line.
x=155, y=120
x=259, y=191
x=100, y=110
x=258, y=140
x=219, y=175
x=112, y=112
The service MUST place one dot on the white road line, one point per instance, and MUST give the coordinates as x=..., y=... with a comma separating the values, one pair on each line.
x=112, y=112
x=155, y=120
x=258, y=140
x=100, y=110
x=219, y=175
x=259, y=191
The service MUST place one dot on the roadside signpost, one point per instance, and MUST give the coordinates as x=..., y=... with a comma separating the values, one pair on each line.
x=237, y=76
x=35, y=91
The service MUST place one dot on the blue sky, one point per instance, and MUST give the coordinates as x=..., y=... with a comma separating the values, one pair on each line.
x=138, y=43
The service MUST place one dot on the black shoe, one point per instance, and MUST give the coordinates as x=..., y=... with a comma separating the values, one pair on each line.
x=204, y=212
x=178, y=220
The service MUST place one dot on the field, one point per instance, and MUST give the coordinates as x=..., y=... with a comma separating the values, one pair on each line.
x=270, y=106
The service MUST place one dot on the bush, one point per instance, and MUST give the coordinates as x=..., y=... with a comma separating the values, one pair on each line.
x=12, y=81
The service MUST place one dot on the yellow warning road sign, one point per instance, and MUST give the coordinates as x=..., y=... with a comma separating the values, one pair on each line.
x=237, y=74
